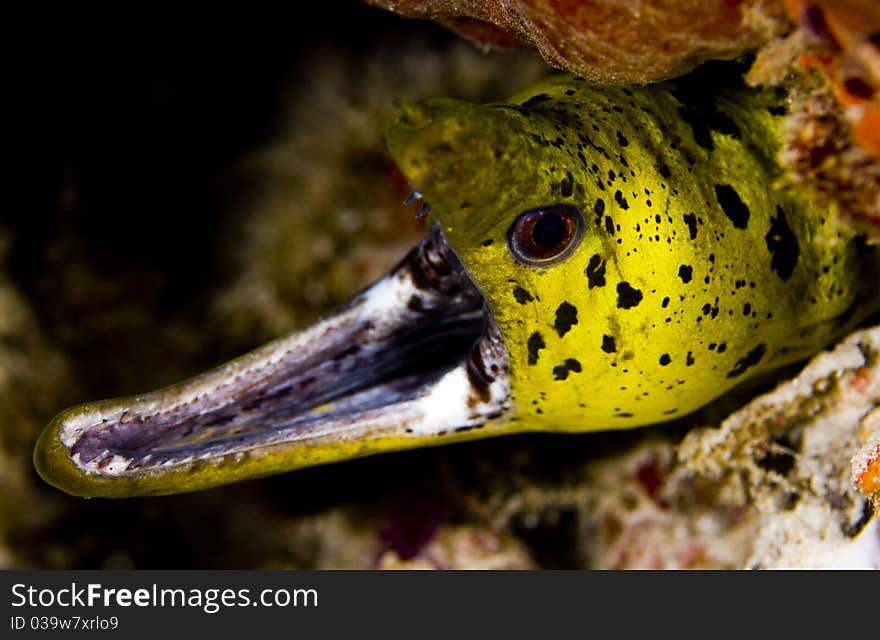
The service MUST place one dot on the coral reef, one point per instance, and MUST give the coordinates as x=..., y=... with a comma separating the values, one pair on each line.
x=831, y=66
x=790, y=453
x=842, y=41
x=464, y=547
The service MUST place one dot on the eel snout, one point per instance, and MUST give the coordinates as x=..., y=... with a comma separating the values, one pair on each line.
x=414, y=357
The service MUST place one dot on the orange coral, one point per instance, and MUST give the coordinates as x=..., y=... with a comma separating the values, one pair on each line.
x=869, y=479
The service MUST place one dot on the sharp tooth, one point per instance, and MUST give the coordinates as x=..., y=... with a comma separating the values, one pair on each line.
x=415, y=195
x=424, y=210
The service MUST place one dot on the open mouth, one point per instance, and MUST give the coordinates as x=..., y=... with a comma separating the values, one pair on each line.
x=415, y=356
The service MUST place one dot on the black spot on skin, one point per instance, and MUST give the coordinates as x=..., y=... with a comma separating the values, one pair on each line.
x=732, y=205
x=624, y=415
x=703, y=115
x=699, y=127
x=561, y=371
x=747, y=309
x=522, y=296
x=621, y=201
x=689, y=361
x=599, y=208
x=686, y=273
x=621, y=139
x=488, y=242
x=609, y=225
x=596, y=271
x=665, y=302
x=665, y=360
x=566, y=317
x=608, y=345
x=627, y=296
x=691, y=221
x=752, y=358
x=783, y=246
x=538, y=99
x=722, y=347
x=535, y=344
x=566, y=185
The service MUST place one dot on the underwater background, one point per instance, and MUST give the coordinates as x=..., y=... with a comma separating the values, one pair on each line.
x=195, y=185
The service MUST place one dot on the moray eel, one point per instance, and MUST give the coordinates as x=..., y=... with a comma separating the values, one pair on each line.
x=601, y=258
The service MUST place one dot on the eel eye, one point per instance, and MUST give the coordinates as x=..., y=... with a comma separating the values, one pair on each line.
x=544, y=236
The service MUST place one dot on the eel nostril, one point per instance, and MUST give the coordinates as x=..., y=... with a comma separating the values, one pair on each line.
x=414, y=114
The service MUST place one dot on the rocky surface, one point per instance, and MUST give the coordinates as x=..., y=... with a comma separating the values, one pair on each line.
x=634, y=41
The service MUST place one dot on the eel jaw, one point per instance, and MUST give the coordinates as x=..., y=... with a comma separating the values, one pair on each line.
x=415, y=356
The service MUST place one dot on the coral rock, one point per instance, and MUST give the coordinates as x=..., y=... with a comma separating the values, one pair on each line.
x=610, y=40
x=833, y=133
x=798, y=458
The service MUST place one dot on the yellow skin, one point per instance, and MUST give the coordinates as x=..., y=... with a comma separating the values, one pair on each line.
x=696, y=270
x=692, y=300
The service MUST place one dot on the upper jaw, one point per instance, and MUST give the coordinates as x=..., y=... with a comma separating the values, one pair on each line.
x=415, y=356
